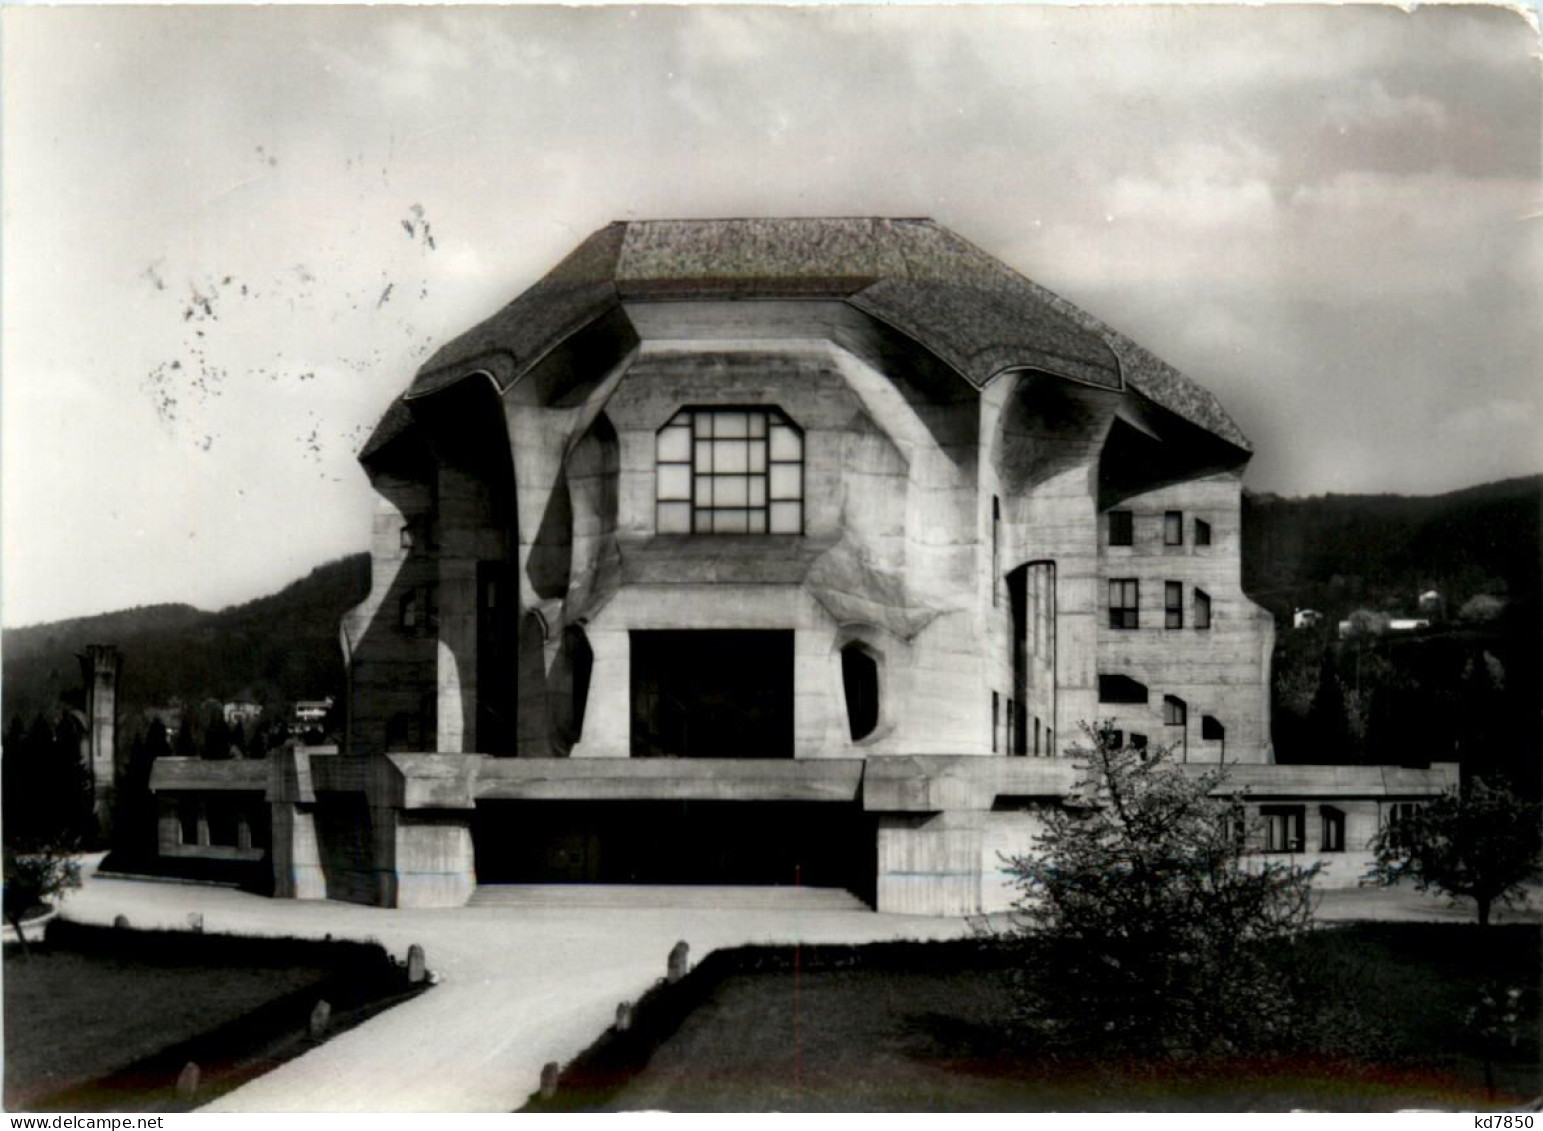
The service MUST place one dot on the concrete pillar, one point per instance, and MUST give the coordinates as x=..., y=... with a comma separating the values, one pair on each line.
x=100, y=666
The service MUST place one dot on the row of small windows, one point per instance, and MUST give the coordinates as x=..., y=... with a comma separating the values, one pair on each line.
x=1125, y=604
x=1122, y=529
x=730, y=471
x=1284, y=828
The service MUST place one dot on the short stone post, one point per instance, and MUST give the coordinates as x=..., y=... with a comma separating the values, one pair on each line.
x=187, y=1083
x=321, y=1017
x=196, y=922
x=549, y=1072
x=623, y=1016
x=121, y=922
x=678, y=964
x=416, y=971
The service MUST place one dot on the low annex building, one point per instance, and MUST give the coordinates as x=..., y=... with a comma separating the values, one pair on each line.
x=780, y=551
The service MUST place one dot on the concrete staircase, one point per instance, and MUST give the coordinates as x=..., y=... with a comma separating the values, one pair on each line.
x=652, y=896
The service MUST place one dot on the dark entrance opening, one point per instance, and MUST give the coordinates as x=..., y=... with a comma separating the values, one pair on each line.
x=712, y=694
x=817, y=844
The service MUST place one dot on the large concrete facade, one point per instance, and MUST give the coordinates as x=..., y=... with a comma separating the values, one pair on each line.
x=781, y=550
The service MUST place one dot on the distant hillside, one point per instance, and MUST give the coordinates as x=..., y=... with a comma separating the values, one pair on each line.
x=1336, y=553
x=277, y=648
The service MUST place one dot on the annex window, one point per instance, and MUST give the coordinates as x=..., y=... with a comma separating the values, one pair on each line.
x=1202, y=609
x=1333, y=821
x=730, y=471
x=1120, y=689
x=1173, y=528
x=1175, y=711
x=1124, y=603
x=1202, y=532
x=1121, y=528
x=187, y=821
x=1283, y=827
x=1138, y=743
x=1173, y=604
x=1400, y=816
x=860, y=679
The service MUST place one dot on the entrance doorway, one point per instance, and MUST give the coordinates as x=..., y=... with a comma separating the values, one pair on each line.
x=712, y=694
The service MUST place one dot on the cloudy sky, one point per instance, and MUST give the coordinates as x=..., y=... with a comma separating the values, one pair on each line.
x=230, y=234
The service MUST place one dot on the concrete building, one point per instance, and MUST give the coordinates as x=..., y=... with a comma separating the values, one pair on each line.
x=782, y=551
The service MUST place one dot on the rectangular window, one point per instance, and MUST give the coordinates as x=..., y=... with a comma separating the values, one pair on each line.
x=1121, y=528
x=1138, y=743
x=1202, y=532
x=996, y=721
x=1124, y=603
x=1283, y=827
x=1120, y=689
x=1173, y=604
x=1036, y=736
x=1173, y=528
x=1202, y=609
x=1333, y=829
x=1012, y=729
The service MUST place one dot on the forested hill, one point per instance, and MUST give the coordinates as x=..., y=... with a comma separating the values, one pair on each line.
x=1336, y=553
x=275, y=649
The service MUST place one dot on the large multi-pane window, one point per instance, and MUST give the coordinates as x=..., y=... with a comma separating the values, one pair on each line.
x=730, y=471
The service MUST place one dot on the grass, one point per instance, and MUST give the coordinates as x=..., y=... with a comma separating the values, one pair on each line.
x=104, y=1020
x=922, y=1027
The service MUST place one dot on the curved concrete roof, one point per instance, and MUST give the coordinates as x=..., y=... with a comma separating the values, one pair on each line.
x=972, y=311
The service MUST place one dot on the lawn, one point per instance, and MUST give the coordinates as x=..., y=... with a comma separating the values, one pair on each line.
x=923, y=1028
x=99, y=1020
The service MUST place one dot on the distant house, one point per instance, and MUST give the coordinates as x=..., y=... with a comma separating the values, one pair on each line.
x=311, y=714
x=1306, y=618
x=1408, y=624
x=241, y=711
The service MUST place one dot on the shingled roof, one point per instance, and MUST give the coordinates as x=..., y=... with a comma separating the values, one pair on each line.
x=975, y=313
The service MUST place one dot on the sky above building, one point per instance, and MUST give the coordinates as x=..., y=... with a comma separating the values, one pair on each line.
x=231, y=234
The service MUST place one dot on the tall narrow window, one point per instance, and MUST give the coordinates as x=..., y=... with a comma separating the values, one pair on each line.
x=860, y=680
x=1202, y=609
x=409, y=616
x=1333, y=821
x=1124, y=603
x=1175, y=711
x=1173, y=604
x=1202, y=532
x=1121, y=528
x=729, y=471
x=1012, y=728
x=996, y=722
x=1036, y=736
x=996, y=547
x=1173, y=528
x=1212, y=730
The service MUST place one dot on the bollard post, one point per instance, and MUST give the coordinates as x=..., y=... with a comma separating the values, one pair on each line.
x=187, y=1083
x=623, y=1016
x=416, y=971
x=678, y=964
x=321, y=1017
x=549, y=1079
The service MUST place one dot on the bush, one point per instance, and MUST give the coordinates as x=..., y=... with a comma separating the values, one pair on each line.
x=1150, y=930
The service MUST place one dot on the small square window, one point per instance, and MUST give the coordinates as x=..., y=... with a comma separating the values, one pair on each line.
x=1121, y=528
x=1173, y=604
x=1202, y=532
x=1173, y=528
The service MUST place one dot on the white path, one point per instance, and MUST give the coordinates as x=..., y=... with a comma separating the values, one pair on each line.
x=519, y=986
